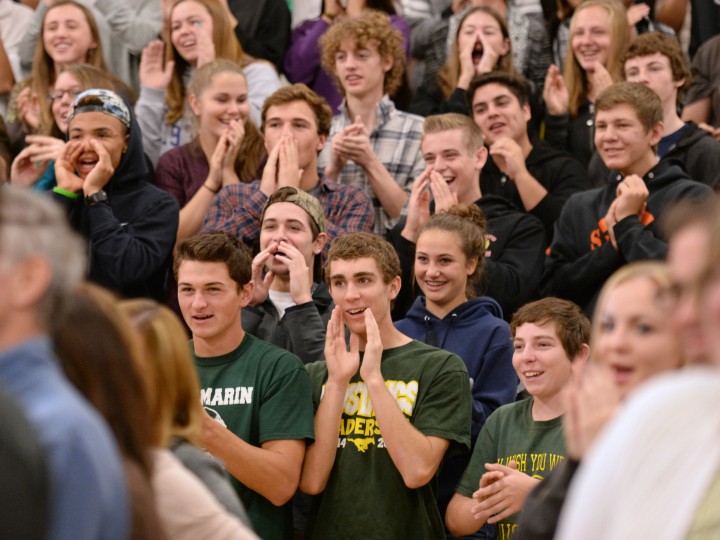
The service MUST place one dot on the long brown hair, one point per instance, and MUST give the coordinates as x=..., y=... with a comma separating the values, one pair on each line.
x=227, y=46
x=44, y=70
x=450, y=72
x=98, y=351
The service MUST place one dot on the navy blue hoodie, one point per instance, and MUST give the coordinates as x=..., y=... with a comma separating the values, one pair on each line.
x=476, y=332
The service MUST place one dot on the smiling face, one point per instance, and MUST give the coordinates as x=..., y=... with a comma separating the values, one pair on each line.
x=285, y=222
x=481, y=26
x=357, y=285
x=107, y=130
x=635, y=338
x=655, y=72
x=447, y=153
x=296, y=120
x=442, y=270
x=361, y=70
x=540, y=360
x=591, y=37
x=225, y=99
x=187, y=20
x=66, y=88
x=66, y=35
x=210, y=302
x=498, y=113
x=623, y=142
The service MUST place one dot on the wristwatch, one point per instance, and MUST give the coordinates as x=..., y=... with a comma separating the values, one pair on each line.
x=97, y=197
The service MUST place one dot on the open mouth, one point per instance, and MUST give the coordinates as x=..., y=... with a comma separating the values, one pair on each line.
x=622, y=373
x=496, y=126
x=355, y=312
x=530, y=375
x=86, y=164
x=201, y=318
x=477, y=53
x=433, y=285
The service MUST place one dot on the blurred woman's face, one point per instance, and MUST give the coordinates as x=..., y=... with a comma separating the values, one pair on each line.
x=64, y=91
x=591, y=37
x=635, y=338
x=66, y=35
x=190, y=22
x=481, y=30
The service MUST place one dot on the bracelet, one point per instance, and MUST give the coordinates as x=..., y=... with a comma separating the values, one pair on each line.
x=65, y=193
x=210, y=189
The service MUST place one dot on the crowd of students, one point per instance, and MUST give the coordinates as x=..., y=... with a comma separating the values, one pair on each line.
x=401, y=326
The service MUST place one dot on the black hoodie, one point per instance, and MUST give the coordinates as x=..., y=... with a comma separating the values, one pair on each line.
x=131, y=237
x=582, y=257
x=514, y=258
x=697, y=149
x=557, y=171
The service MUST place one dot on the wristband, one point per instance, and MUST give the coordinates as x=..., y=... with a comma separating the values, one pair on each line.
x=65, y=193
x=210, y=189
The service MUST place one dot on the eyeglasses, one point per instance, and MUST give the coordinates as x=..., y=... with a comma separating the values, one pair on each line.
x=58, y=94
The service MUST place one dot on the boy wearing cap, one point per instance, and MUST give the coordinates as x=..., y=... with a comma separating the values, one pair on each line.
x=295, y=125
x=257, y=395
x=130, y=224
x=291, y=305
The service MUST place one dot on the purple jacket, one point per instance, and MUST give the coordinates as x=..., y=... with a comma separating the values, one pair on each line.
x=302, y=59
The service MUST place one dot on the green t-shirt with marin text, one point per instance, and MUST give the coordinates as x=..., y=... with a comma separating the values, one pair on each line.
x=261, y=393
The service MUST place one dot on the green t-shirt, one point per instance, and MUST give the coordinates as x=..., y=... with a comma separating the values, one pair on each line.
x=510, y=434
x=365, y=496
x=261, y=393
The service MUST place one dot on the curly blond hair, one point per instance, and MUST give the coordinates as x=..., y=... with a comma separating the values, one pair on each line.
x=372, y=27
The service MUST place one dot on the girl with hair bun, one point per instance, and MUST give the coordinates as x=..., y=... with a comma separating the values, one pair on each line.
x=449, y=266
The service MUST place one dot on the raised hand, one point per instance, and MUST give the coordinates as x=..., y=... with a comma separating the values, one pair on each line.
x=298, y=269
x=234, y=135
x=65, y=167
x=289, y=173
x=152, y=73
x=342, y=363
x=442, y=195
x=508, y=156
x=555, y=93
x=599, y=77
x=102, y=172
x=45, y=148
x=418, y=207
x=632, y=195
x=25, y=169
x=28, y=110
x=370, y=367
x=205, y=46
x=261, y=285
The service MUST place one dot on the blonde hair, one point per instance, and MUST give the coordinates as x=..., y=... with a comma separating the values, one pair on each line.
x=575, y=77
x=655, y=271
x=472, y=135
x=43, y=73
x=252, y=153
x=174, y=396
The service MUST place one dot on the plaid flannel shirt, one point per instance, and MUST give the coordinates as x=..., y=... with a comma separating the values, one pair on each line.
x=396, y=141
x=237, y=209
